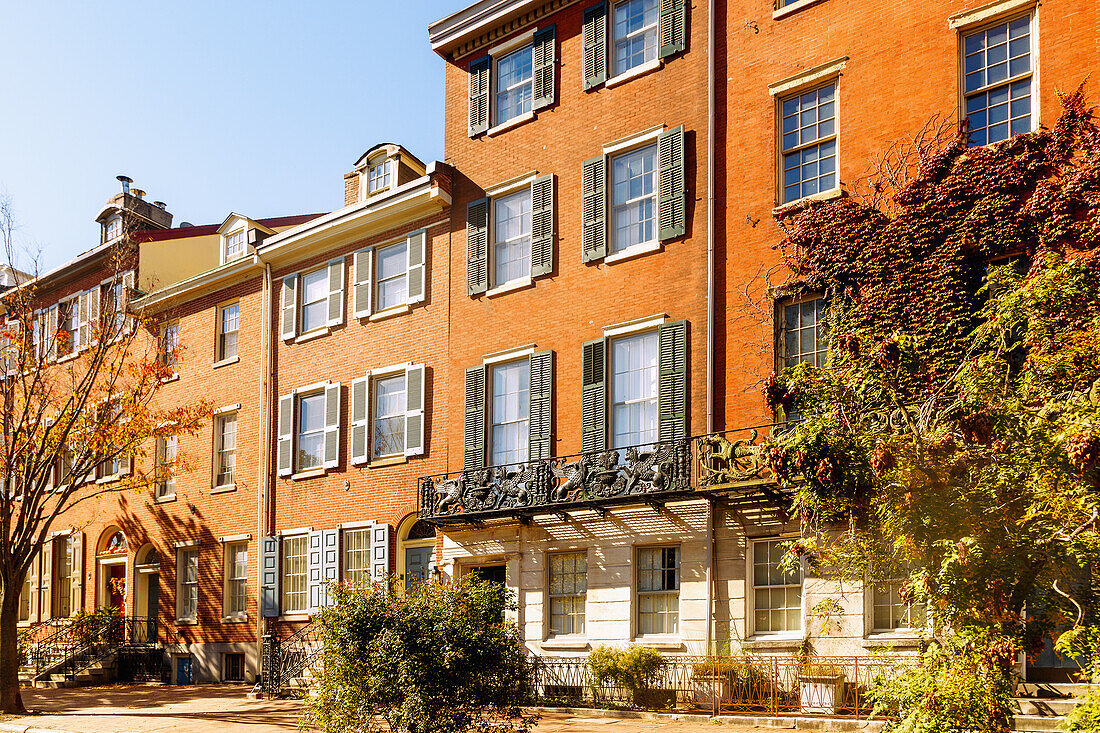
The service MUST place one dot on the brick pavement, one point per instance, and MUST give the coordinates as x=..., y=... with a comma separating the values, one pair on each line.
x=201, y=708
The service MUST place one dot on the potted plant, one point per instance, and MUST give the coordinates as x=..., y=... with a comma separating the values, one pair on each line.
x=820, y=688
x=712, y=681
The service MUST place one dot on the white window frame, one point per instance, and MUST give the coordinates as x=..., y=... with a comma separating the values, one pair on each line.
x=221, y=420
x=234, y=580
x=523, y=363
x=668, y=593
x=232, y=240
x=1032, y=75
x=385, y=177
x=68, y=311
x=611, y=403
x=375, y=378
x=890, y=585
x=187, y=556
x=167, y=359
x=750, y=587
x=654, y=28
x=570, y=599
x=615, y=253
x=781, y=336
x=299, y=396
x=813, y=83
x=525, y=276
x=363, y=574
x=221, y=337
x=114, y=224
x=497, y=55
x=377, y=280
x=61, y=591
x=167, y=447
x=283, y=606
x=301, y=304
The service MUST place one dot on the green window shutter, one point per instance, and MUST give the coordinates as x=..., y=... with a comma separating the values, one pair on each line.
x=595, y=45
x=290, y=307
x=672, y=357
x=474, y=429
x=594, y=209
x=479, y=96
x=594, y=396
x=361, y=290
x=540, y=417
x=332, y=426
x=336, y=292
x=542, y=225
x=360, y=420
x=673, y=27
x=671, y=192
x=544, y=56
x=286, y=435
x=414, y=246
x=269, y=577
x=477, y=246
x=414, y=410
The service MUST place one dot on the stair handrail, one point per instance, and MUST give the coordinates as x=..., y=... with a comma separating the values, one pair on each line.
x=293, y=655
x=57, y=646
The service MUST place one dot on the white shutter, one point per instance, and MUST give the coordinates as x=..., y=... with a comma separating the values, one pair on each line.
x=336, y=292
x=32, y=578
x=332, y=425
x=379, y=552
x=93, y=315
x=82, y=337
x=414, y=410
x=45, y=582
x=360, y=420
x=415, y=250
x=49, y=338
x=361, y=294
x=290, y=307
x=127, y=287
x=76, y=583
x=330, y=562
x=313, y=570
x=286, y=435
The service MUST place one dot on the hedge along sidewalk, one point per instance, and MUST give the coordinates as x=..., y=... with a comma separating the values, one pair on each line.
x=694, y=721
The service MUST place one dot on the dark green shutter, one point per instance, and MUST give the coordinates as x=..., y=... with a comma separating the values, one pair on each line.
x=544, y=56
x=672, y=380
x=595, y=45
x=542, y=225
x=477, y=246
x=671, y=191
x=540, y=440
x=594, y=396
x=474, y=434
x=594, y=209
x=673, y=27
x=479, y=96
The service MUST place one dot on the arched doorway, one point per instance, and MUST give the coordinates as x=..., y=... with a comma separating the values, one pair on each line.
x=111, y=555
x=416, y=550
x=146, y=594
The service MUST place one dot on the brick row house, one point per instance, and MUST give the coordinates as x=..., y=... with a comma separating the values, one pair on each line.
x=540, y=359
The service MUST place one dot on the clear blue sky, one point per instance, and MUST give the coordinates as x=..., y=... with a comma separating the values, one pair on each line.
x=209, y=106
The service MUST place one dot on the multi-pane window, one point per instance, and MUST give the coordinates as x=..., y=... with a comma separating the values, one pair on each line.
x=114, y=227
x=68, y=314
x=515, y=85
x=809, y=143
x=393, y=284
x=998, y=79
x=804, y=333
x=389, y=416
x=225, y=449
x=166, y=469
x=187, y=598
x=236, y=578
x=380, y=176
x=777, y=594
x=295, y=599
x=229, y=324
x=568, y=591
x=314, y=308
x=357, y=556
x=169, y=347
x=512, y=237
x=509, y=413
x=111, y=465
x=233, y=667
x=634, y=390
x=634, y=198
x=113, y=305
x=311, y=431
x=62, y=576
x=890, y=612
x=634, y=33
x=234, y=245
x=658, y=590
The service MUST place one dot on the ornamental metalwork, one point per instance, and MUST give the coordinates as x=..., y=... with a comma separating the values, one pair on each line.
x=589, y=479
x=722, y=461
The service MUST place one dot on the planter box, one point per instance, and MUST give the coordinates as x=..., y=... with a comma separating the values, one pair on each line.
x=710, y=690
x=821, y=694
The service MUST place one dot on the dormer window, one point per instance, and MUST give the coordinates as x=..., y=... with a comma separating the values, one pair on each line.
x=234, y=245
x=114, y=227
x=380, y=176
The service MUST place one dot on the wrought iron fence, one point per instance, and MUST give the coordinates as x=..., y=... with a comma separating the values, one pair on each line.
x=69, y=648
x=762, y=685
x=287, y=661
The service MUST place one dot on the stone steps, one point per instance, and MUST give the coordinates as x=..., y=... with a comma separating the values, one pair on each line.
x=1037, y=723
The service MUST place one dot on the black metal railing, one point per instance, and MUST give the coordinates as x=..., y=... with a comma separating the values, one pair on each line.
x=285, y=661
x=639, y=474
x=77, y=645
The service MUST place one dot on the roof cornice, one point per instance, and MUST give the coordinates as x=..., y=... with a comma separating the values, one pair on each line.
x=477, y=25
x=196, y=286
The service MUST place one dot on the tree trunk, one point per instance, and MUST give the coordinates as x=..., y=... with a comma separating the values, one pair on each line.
x=11, y=701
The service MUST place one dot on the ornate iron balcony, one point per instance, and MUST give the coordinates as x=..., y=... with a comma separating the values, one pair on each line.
x=652, y=473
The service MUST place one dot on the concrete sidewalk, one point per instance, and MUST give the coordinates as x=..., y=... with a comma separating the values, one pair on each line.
x=202, y=708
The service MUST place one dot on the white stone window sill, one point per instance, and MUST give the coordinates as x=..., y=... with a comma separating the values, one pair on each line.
x=664, y=643
x=225, y=489
x=902, y=638
x=226, y=362
x=637, y=71
x=236, y=619
x=636, y=250
x=566, y=643
x=67, y=357
x=792, y=8
x=108, y=479
x=388, y=461
x=166, y=499
x=509, y=287
x=187, y=622
x=295, y=617
x=514, y=122
x=773, y=641
x=311, y=473
x=315, y=333
x=833, y=193
x=173, y=378
x=390, y=312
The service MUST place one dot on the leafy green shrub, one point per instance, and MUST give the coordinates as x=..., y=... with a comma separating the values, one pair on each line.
x=1085, y=717
x=438, y=659
x=635, y=668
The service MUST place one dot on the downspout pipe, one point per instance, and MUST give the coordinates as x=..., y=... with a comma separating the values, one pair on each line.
x=264, y=448
x=711, y=82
